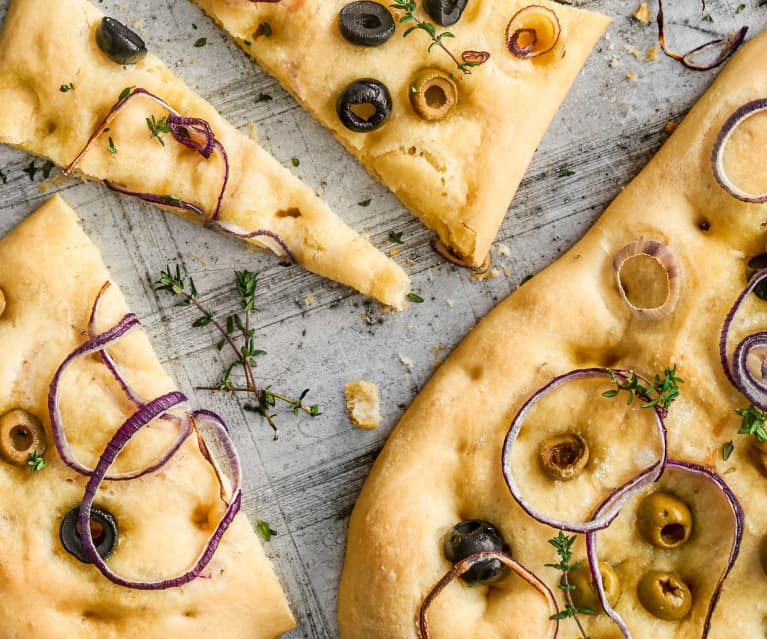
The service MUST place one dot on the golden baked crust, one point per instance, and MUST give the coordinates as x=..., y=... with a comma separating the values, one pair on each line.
x=442, y=464
x=50, y=274
x=457, y=175
x=261, y=194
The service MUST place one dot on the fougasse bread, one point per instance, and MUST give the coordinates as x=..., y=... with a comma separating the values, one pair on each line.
x=73, y=355
x=193, y=162
x=525, y=435
x=457, y=168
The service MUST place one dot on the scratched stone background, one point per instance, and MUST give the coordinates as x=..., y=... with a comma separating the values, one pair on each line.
x=318, y=334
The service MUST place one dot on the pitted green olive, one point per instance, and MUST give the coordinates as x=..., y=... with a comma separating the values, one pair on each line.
x=433, y=94
x=563, y=456
x=21, y=434
x=664, y=520
x=664, y=595
x=585, y=595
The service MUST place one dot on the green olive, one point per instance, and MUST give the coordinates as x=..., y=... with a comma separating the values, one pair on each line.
x=664, y=595
x=585, y=595
x=21, y=434
x=664, y=520
x=2, y=302
x=763, y=554
x=563, y=456
x=433, y=94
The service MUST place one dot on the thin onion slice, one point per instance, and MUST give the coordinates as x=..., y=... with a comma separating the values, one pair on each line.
x=717, y=156
x=738, y=372
x=525, y=25
x=738, y=527
x=603, y=517
x=727, y=46
x=442, y=249
x=667, y=261
x=130, y=427
x=96, y=344
x=463, y=566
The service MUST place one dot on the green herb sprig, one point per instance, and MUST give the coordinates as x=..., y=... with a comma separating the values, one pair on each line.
x=409, y=8
x=564, y=547
x=238, y=334
x=753, y=423
x=660, y=393
x=36, y=462
x=267, y=532
x=158, y=127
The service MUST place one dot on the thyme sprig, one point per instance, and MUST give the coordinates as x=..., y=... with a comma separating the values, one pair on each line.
x=564, y=547
x=660, y=393
x=409, y=8
x=36, y=461
x=754, y=420
x=158, y=127
x=238, y=334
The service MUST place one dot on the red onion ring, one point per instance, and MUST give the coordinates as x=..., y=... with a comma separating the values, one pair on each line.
x=603, y=517
x=728, y=46
x=465, y=565
x=130, y=427
x=739, y=524
x=738, y=372
x=97, y=344
x=717, y=155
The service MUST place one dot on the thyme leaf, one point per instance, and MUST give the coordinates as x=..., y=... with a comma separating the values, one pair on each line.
x=67, y=87
x=753, y=422
x=267, y=532
x=36, y=462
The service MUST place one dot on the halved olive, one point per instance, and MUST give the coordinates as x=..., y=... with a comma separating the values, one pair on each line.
x=585, y=595
x=664, y=520
x=754, y=265
x=445, y=12
x=664, y=595
x=433, y=94
x=364, y=105
x=21, y=434
x=366, y=23
x=120, y=44
x=103, y=529
x=475, y=535
x=2, y=302
x=564, y=456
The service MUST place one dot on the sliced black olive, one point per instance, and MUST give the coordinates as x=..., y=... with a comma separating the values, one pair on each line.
x=445, y=12
x=103, y=530
x=475, y=535
x=119, y=43
x=364, y=105
x=366, y=23
x=756, y=264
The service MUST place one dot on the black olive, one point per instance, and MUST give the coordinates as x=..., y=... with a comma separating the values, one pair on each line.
x=365, y=23
x=120, y=43
x=366, y=95
x=445, y=12
x=756, y=264
x=475, y=535
x=103, y=530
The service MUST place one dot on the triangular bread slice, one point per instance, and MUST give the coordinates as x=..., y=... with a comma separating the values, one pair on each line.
x=261, y=195
x=459, y=174
x=50, y=275
x=442, y=464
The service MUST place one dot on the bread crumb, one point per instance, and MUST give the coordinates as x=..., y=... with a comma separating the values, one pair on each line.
x=309, y=300
x=670, y=127
x=631, y=50
x=631, y=75
x=253, y=131
x=642, y=13
x=652, y=53
x=613, y=62
x=503, y=250
x=507, y=271
x=406, y=362
x=489, y=275
x=395, y=250
x=450, y=302
x=362, y=404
